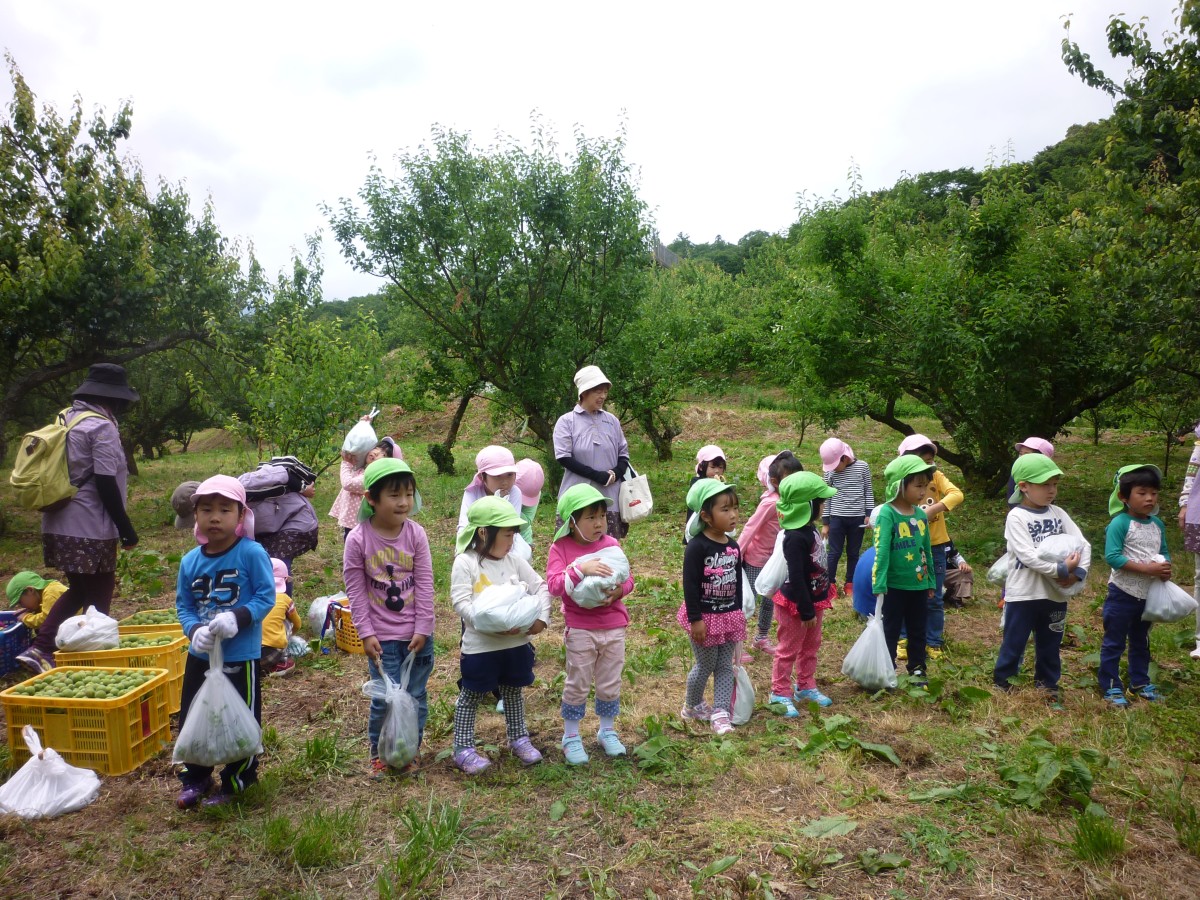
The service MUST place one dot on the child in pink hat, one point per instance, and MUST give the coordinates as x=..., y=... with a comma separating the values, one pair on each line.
x=530, y=480
x=280, y=624
x=848, y=513
x=495, y=476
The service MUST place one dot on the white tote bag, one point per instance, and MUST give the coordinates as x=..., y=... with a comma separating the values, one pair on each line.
x=634, y=501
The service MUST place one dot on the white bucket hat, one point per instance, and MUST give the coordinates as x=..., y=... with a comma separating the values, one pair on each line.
x=589, y=377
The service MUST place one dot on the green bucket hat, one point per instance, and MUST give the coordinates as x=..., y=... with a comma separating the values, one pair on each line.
x=900, y=468
x=575, y=498
x=1115, y=503
x=381, y=468
x=697, y=495
x=1034, y=469
x=796, y=493
x=20, y=583
x=487, y=512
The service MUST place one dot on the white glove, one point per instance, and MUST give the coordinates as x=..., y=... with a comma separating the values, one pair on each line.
x=203, y=640
x=223, y=626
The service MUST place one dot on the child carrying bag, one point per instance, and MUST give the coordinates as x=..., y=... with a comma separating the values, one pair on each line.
x=47, y=785
x=220, y=728
x=634, y=501
x=400, y=733
x=868, y=663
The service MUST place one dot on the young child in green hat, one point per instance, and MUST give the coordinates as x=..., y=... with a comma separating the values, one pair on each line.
x=34, y=595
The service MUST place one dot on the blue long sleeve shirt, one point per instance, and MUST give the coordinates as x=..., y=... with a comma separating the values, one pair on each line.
x=240, y=581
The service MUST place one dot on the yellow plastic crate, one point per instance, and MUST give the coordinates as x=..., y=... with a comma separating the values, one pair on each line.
x=171, y=657
x=124, y=627
x=345, y=635
x=112, y=737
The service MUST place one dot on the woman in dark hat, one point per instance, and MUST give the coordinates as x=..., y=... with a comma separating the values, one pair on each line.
x=81, y=537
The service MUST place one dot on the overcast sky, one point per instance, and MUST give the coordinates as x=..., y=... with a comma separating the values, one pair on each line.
x=731, y=111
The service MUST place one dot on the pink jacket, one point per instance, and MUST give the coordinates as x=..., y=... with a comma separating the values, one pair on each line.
x=349, y=498
x=563, y=553
x=757, y=539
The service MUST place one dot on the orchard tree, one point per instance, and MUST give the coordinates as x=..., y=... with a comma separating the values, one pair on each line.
x=524, y=263
x=92, y=266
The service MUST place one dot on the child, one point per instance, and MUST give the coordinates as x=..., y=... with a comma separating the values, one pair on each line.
x=388, y=572
x=847, y=514
x=1029, y=445
x=758, y=537
x=712, y=601
x=495, y=476
x=1135, y=546
x=1032, y=605
x=273, y=658
x=493, y=661
x=903, y=560
x=940, y=498
x=960, y=579
x=710, y=463
x=34, y=595
x=224, y=591
x=806, y=594
x=529, y=481
x=594, y=637
x=349, y=498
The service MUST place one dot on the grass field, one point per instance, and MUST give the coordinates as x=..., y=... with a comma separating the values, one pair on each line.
x=953, y=791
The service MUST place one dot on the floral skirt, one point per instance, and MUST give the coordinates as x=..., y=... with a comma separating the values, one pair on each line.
x=719, y=628
x=1191, y=537
x=83, y=556
x=288, y=544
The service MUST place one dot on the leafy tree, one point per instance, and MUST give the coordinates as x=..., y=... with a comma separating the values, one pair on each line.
x=92, y=266
x=525, y=265
x=170, y=408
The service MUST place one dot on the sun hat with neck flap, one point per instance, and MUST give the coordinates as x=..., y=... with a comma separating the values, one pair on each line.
x=20, y=583
x=1032, y=468
x=698, y=494
x=900, y=468
x=382, y=468
x=232, y=489
x=575, y=498
x=1115, y=503
x=487, y=512
x=796, y=494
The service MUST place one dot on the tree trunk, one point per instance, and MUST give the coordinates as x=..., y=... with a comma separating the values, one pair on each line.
x=456, y=422
x=660, y=435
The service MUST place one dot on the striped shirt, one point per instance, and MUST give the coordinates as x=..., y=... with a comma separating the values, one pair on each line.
x=855, y=496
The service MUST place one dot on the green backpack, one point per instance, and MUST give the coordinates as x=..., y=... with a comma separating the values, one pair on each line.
x=40, y=474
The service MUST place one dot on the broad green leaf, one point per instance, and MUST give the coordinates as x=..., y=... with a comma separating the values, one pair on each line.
x=830, y=826
x=558, y=809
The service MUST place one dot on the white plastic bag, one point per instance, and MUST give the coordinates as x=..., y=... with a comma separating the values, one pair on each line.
x=47, y=785
x=220, y=728
x=521, y=549
x=868, y=663
x=400, y=733
x=296, y=647
x=590, y=592
x=1167, y=602
x=743, y=696
x=361, y=439
x=502, y=607
x=319, y=609
x=1056, y=548
x=774, y=573
x=749, y=602
x=998, y=573
x=634, y=501
x=91, y=631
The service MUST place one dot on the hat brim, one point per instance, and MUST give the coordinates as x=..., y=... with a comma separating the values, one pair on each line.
x=496, y=471
x=185, y=522
x=583, y=389
x=100, y=389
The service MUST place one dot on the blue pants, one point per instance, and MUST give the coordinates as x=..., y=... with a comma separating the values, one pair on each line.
x=1123, y=624
x=935, y=617
x=394, y=655
x=1045, y=620
x=844, y=531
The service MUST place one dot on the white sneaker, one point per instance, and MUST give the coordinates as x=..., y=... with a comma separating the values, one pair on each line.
x=1196, y=653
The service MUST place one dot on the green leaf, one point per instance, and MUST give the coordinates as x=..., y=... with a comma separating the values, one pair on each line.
x=882, y=751
x=830, y=826
x=558, y=809
x=973, y=694
x=873, y=862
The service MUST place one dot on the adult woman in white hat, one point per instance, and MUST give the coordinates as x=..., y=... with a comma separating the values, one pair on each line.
x=590, y=445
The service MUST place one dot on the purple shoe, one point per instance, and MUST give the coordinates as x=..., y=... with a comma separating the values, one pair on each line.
x=524, y=750
x=36, y=661
x=471, y=761
x=217, y=800
x=193, y=794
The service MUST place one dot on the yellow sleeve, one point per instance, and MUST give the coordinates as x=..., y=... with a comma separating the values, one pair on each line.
x=273, y=632
x=50, y=593
x=952, y=496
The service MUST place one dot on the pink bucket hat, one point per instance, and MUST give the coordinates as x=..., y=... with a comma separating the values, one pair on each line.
x=492, y=460
x=1038, y=445
x=224, y=486
x=279, y=570
x=530, y=479
x=708, y=453
x=915, y=442
x=764, y=472
x=832, y=452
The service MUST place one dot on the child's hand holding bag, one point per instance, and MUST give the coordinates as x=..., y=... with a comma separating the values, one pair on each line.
x=220, y=728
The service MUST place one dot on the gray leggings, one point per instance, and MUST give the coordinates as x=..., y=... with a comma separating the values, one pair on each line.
x=717, y=663
x=468, y=702
x=766, y=607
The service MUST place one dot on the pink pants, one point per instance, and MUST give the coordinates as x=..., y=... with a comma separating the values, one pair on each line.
x=796, y=652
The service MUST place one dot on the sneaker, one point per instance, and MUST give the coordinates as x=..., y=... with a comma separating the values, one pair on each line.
x=917, y=678
x=523, y=749
x=217, y=800
x=1195, y=654
x=764, y=645
x=720, y=722
x=789, y=708
x=611, y=743
x=470, y=761
x=572, y=748
x=1148, y=692
x=701, y=712
x=812, y=695
x=934, y=652
x=902, y=649
x=500, y=707
x=193, y=794
x=378, y=767
x=1116, y=697
x=848, y=590
x=284, y=668
x=36, y=661
x=746, y=658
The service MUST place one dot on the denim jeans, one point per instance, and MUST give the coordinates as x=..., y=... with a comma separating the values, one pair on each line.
x=935, y=617
x=394, y=655
x=1123, y=625
x=1045, y=620
x=844, y=531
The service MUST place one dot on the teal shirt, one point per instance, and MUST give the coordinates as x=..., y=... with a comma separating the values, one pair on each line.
x=903, y=553
x=1115, y=535
x=526, y=530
